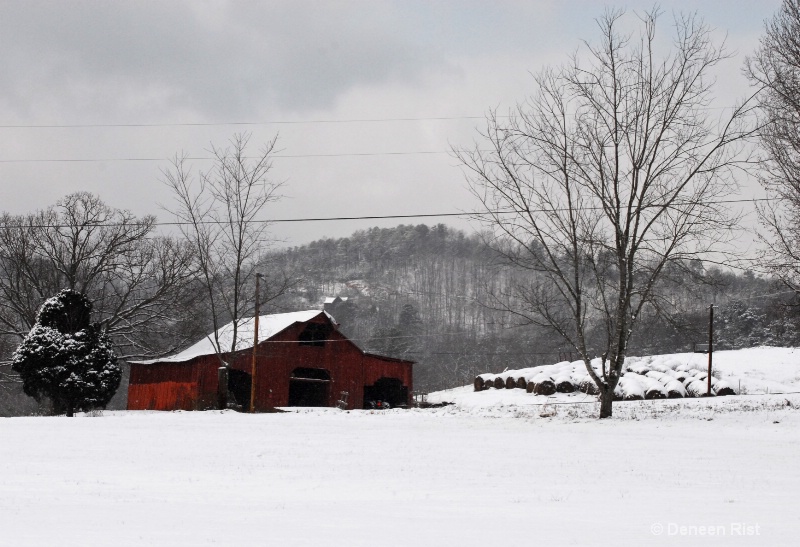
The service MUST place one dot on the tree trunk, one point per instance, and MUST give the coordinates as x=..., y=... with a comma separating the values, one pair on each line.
x=70, y=410
x=606, y=400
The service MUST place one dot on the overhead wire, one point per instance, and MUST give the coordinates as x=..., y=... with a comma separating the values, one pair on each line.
x=359, y=217
x=209, y=158
x=245, y=123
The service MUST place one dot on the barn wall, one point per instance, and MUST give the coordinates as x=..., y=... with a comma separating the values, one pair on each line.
x=277, y=358
x=376, y=368
x=193, y=385
x=173, y=386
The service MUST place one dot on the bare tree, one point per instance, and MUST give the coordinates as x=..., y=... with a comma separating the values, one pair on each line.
x=775, y=68
x=220, y=211
x=135, y=279
x=613, y=169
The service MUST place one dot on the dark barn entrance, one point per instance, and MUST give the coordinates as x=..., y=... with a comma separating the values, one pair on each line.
x=239, y=383
x=389, y=390
x=309, y=387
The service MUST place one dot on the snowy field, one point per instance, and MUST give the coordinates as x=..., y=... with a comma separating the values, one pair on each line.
x=661, y=472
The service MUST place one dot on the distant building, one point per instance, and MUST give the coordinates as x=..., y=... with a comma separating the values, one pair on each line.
x=334, y=300
x=302, y=360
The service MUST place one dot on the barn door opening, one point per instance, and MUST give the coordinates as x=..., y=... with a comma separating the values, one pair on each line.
x=309, y=387
x=388, y=390
x=239, y=383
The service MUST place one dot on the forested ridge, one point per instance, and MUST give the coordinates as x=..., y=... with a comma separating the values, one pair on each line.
x=429, y=294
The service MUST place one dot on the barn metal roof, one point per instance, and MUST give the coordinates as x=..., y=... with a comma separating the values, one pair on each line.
x=268, y=326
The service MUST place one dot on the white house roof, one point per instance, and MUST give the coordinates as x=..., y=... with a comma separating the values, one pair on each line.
x=332, y=299
x=268, y=326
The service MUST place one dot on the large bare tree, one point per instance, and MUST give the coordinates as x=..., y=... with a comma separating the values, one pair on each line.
x=221, y=214
x=137, y=280
x=614, y=168
x=775, y=69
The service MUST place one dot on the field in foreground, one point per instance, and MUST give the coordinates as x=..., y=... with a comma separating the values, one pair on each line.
x=437, y=477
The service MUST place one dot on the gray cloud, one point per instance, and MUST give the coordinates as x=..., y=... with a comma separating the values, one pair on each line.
x=226, y=59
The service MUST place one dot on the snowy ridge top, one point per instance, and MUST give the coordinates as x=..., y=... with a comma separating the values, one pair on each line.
x=268, y=326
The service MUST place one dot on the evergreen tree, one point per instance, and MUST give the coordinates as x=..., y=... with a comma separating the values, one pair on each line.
x=66, y=358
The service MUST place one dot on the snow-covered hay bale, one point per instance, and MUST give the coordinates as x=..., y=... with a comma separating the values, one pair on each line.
x=655, y=392
x=522, y=382
x=511, y=383
x=587, y=385
x=675, y=389
x=639, y=368
x=658, y=375
x=657, y=367
x=478, y=383
x=564, y=384
x=530, y=386
x=671, y=362
x=681, y=375
x=543, y=385
x=722, y=388
x=630, y=388
x=488, y=380
x=499, y=383
x=653, y=384
x=697, y=388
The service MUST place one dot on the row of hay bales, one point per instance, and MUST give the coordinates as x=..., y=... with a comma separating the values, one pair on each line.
x=640, y=380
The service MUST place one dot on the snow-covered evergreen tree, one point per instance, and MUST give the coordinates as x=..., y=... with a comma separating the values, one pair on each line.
x=66, y=358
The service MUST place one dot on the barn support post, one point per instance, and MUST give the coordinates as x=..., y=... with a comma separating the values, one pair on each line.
x=710, y=346
x=255, y=350
x=222, y=388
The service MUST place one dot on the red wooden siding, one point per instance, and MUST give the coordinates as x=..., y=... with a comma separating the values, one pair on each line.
x=193, y=385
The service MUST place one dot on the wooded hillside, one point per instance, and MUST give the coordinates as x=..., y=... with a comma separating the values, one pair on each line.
x=427, y=293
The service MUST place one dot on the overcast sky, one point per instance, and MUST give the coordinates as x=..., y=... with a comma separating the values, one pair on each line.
x=319, y=63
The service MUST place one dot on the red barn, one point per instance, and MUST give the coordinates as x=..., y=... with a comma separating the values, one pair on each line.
x=302, y=360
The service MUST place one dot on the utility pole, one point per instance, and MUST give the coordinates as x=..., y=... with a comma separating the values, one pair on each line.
x=255, y=349
x=710, y=346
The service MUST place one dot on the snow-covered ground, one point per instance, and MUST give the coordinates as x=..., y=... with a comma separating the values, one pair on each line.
x=661, y=472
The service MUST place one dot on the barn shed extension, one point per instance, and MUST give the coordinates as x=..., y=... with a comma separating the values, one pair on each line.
x=302, y=359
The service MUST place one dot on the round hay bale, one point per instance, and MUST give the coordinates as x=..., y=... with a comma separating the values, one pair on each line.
x=521, y=382
x=639, y=368
x=659, y=376
x=697, y=388
x=675, y=389
x=511, y=383
x=564, y=384
x=544, y=386
x=722, y=388
x=655, y=393
x=681, y=375
x=630, y=388
x=530, y=386
x=499, y=383
x=588, y=386
x=478, y=383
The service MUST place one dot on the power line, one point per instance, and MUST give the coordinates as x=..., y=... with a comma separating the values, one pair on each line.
x=362, y=217
x=270, y=122
x=209, y=158
x=216, y=124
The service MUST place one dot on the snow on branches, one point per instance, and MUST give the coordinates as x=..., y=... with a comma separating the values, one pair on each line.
x=66, y=358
